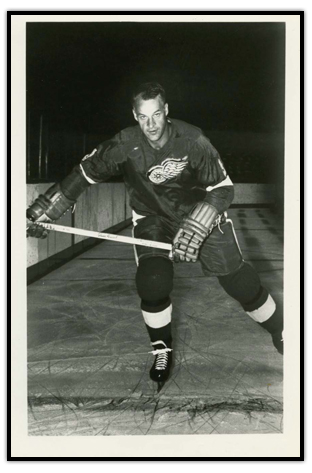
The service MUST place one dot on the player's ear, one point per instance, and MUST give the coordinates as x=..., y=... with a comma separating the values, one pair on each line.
x=134, y=114
x=166, y=109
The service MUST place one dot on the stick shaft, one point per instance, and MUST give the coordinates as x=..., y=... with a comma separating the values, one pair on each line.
x=106, y=236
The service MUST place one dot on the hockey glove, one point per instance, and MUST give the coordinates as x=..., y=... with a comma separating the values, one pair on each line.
x=54, y=203
x=193, y=231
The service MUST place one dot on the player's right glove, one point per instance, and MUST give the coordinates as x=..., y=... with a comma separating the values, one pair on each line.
x=47, y=207
x=193, y=231
x=54, y=203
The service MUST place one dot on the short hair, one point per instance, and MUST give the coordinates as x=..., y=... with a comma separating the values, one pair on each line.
x=148, y=90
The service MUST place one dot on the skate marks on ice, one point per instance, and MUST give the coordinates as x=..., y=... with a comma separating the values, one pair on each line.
x=97, y=383
x=89, y=366
x=152, y=416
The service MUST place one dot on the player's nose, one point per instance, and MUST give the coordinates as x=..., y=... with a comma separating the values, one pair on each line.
x=150, y=123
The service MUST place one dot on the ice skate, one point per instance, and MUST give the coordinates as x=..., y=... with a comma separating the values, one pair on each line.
x=278, y=342
x=160, y=370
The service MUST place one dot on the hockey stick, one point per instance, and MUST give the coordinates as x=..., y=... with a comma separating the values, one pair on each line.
x=105, y=236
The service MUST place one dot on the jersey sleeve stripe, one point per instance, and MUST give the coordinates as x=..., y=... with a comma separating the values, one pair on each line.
x=91, y=181
x=226, y=182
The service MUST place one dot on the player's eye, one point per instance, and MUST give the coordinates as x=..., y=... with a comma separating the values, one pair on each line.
x=157, y=114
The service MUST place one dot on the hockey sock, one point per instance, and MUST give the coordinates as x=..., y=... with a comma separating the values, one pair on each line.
x=264, y=312
x=157, y=318
x=275, y=323
x=244, y=285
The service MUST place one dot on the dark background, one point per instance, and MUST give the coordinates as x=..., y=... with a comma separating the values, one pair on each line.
x=227, y=78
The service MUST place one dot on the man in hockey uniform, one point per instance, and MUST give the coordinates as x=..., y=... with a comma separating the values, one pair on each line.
x=179, y=192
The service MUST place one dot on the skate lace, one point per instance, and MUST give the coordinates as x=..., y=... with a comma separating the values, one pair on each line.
x=161, y=356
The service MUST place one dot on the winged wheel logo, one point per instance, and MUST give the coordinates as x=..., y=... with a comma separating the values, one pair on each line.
x=168, y=169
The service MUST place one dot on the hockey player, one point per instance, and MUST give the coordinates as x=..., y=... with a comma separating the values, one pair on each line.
x=179, y=192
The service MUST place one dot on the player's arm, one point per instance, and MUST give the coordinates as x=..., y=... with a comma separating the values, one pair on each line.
x=206, y=214
x=51, y=205
x=211, y=174
x=96, y=167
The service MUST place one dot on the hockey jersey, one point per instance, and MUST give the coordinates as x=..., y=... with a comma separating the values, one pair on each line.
x=168, y=181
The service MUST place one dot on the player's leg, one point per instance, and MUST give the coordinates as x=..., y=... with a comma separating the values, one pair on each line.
x=154, y=281
x=221, y=256
x=245, y=286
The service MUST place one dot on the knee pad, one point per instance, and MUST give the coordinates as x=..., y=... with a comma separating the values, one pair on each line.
x=154, y=278
x=243, y=285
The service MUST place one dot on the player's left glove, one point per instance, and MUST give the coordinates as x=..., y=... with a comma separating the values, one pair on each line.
x=193, y=231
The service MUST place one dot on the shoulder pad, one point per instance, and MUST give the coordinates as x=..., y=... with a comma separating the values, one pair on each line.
x=130, y=133
x=187, y=130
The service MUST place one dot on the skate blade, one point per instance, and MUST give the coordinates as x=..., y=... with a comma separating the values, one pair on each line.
x=160, y=385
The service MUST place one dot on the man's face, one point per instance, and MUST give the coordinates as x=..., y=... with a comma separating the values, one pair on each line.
x=151, y=116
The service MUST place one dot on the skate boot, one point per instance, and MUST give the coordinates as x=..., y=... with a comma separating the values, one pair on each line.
x=160, y=370
x=274, y=325
x=278, y=342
